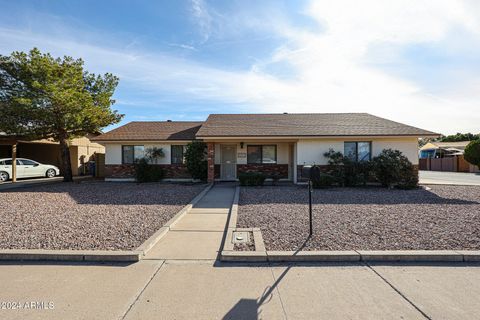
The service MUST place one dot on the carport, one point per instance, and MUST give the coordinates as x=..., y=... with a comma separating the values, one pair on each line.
x=10, y=143
x=43, y=151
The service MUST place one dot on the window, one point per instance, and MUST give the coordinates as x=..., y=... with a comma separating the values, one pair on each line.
x=358, y=151
x=27, y=162
x=9, y=162
x=262, y=154
x=429, y=153
x=131, y=154
x=178, y=152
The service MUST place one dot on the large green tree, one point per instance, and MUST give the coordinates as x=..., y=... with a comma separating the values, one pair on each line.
x=54, y=98
x=472, y=152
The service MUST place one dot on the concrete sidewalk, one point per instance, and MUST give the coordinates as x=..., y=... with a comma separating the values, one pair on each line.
x=154, y=289
x=182, y=280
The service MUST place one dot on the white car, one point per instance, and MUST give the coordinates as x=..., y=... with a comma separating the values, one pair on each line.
x=26, y=168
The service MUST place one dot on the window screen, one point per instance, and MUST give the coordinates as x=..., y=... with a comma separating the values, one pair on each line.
x=266, y=154
x=358, y=151
x=130, y=154
x=177, y=154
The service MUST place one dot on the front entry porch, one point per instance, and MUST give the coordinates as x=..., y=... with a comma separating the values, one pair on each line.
x=275, y=159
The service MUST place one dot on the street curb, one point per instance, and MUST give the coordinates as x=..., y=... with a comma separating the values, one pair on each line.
x=100, y=255
x=70, y=255
x=411, y=256
x=354, y=256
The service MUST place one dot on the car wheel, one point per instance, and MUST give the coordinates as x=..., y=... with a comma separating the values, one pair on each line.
x=50, y=173
x=3, y=176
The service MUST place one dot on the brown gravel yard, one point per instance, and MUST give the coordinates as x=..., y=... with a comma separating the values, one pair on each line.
x=445, y=217
x=94, y=215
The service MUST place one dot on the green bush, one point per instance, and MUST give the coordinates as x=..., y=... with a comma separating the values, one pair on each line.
x=392, y=168
x=251, y=179
x=323, y=181
x=196, y=160
x=347, y=172
x=472, y=152
x=145, y=172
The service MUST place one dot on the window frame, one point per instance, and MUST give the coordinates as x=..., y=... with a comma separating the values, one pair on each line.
x=133, y=152
x=356, y=150
x=261, y=153
x=183, y=153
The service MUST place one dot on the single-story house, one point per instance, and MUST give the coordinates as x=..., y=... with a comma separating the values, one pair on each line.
x=274, y=144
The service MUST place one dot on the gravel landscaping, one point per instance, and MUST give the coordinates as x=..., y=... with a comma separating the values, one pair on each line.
x=94, y=215
x=443, y=218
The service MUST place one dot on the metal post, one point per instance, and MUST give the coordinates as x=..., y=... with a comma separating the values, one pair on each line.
x=310, y=190
x=14, y=163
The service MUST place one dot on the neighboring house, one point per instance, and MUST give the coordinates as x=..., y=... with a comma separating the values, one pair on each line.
x=48, y=152
x=439, y=149
x=445, y=156
x=274, y=144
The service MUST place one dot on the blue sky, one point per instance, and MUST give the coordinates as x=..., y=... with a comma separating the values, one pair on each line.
x=416, y=62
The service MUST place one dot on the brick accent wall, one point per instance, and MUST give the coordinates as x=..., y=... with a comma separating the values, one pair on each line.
x=172, y=171
x=211, y=161
x=280, y=170
x=119, y=171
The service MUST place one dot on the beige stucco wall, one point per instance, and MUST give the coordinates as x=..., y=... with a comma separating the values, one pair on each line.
x=282, y=151
x=114, y=151
x=310, y=151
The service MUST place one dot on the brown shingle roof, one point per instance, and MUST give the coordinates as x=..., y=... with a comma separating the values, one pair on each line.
x=152, y=130
x=313, y=124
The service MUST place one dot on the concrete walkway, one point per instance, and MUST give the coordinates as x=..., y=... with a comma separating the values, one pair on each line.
x=198, y=235
x=182, y=280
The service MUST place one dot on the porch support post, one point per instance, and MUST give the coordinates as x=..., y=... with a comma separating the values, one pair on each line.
x=211, y=161
x=295, y=171
x=14, y=162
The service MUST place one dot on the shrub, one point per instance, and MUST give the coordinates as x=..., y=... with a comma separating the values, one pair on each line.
x=145, y=172
x=472, y=152
x=347, y=172
x=392, y=168
x=323, y=181
x=196, y=160
x=251, y=179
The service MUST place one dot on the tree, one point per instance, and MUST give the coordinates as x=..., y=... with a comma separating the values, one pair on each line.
x=196, y=159
x=460, y=137
x=472, y=152
x=42, y=97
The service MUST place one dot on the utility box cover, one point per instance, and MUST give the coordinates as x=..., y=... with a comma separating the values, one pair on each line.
x=240, y=237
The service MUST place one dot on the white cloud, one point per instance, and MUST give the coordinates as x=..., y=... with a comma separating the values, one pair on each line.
x=202, y=18
x=332, y=73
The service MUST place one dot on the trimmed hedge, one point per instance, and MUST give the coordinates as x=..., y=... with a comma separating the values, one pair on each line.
x=145, y=172
x=251, y=179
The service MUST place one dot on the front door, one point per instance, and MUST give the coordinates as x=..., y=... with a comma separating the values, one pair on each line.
x=228, y=167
